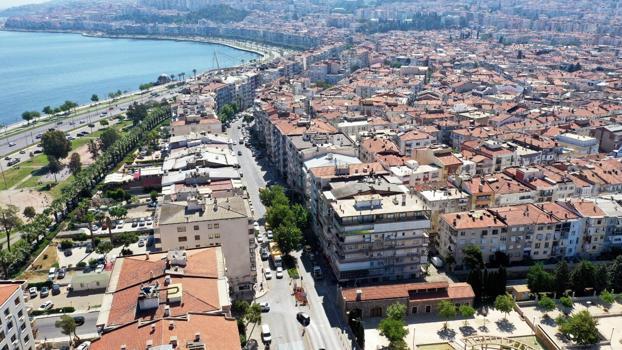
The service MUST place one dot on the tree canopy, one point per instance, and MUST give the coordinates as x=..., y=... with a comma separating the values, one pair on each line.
x=137, y=112
x=109, y=137
x=472, y=257
x=581, y=326
x=539, y=280
x=393, y=326
x=55, y=143
x=505, y=303
x=75, y=165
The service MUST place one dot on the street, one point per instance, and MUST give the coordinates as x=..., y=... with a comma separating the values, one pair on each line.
x=325, y=329
x=28, y=137
x=46, y=329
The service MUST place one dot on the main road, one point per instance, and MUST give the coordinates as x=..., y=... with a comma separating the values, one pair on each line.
x=16, y=141
x=325, y=329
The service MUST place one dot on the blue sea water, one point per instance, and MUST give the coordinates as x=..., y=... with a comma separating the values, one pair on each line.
x=39, y=69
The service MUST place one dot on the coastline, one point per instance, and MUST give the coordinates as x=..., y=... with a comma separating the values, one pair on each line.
x=265, y=52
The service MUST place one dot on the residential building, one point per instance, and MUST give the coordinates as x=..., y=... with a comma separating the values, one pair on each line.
x=373, y=232
x=208, y=222
x=15, y=330
x=418, y=298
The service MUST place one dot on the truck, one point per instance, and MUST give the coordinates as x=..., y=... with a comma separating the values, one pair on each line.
x=276, y=255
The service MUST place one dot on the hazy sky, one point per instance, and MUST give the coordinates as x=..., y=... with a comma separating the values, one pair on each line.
x=10, y=3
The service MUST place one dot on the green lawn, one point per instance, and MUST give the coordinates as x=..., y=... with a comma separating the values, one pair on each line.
x=14, y=175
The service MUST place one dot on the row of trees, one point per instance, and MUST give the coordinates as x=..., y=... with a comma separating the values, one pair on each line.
x=287, y=221
x=67, y=106
x=86, y=179
x=585, y=275
x=486, y=284
x=227, y=112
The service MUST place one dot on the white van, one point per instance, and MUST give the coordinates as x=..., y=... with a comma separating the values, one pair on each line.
x=266, y=337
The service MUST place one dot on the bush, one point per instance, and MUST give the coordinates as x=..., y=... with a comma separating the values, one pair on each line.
x=103, y=122
x=93, y=262
x=81, y=237
x=126, y=252
x=293, y=273
x=62, y=310
x=81, y=265
x=39, y=284
x=66, y=244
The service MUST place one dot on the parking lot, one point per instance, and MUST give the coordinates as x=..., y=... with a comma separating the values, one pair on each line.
x=65, y=299
x=79, y=254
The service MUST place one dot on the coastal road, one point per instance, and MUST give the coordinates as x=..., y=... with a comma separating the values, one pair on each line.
x=28, y=137
x=46, y=326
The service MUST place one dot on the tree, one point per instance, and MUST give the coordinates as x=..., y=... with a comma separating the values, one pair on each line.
x=55, y=143
x=54, y=166
x=288, y=237
x=272, y=195
x=93, y=148
x=75, y=165
x=137, y=112
x=109, y=137
x=118, y=212
x=582, y=328
x=280, y=214
x=104, y=247
x=393, y=327
x=30, y=212
x=48, y=110
x=614, y=275
x=153, y=195
x=252, y=314
x=562, y=277
x=9, y=220
x=301, y=215
x=447, y=310
x=475, y=280
x=546, y=304
x=94, y=98
x=582, y=276
x=502, y=281
x=466, y=311
x=7, y=258
x=30, y=115
x=538, y=280
x=472, y=257
x=600, y=277
x=68, y=327
x=505, y=303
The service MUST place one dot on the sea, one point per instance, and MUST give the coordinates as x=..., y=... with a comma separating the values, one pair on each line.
x=41, y=69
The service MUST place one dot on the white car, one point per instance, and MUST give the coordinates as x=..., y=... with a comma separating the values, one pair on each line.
x=99, y=268
x=279, y=272
x=269, y=235
x=268, y=275
x=84, y=346
x=265, y=307
x=33, y=292
x=260, y=239
x=47, y=305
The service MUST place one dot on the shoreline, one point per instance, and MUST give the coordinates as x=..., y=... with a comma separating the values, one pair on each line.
x=265, y=52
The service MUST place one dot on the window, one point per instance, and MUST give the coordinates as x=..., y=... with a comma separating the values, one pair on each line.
x=196, y=227
x=197, y=237
x=16, y=301
x=182, y=239
x=209, y=226
x=216, y=225
x=20, y=313
x=216, y=235
x=181, y=228
x=414, y=310
x=428, y=308
x=6, y=312
x=26, y=339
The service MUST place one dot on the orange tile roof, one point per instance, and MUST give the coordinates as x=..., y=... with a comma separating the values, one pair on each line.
x=405, y=290
x=216, y=332
x=7, y=289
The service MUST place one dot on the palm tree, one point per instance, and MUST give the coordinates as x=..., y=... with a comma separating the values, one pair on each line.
x=68, y=327
x=194, y=71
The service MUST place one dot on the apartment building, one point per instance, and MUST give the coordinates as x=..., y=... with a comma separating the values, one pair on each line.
x=578, y=144
x=446, y=200
x=15, y=330
x=373, y=232
x=413, y=139
x=594, y=240
x=208, y=222
x=609, y=137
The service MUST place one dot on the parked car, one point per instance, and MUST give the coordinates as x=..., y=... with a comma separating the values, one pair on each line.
x=260, y=239
x=269, y=235
x=265, y=307
x=99, y=268
x=12, y=144
x=62, y=272
x=33, y=292
x=67, y=252
x=13, y=162
x=84, y=346
x=279, y=272
x=79, y=320
x=141, y=243
x=47, y=305
x=55, y=289
x=45, y=291
x=266, y=337
x=134, y=224
x=52, y=273
x=303, y=318
x=265, y=255
x=268, y=275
